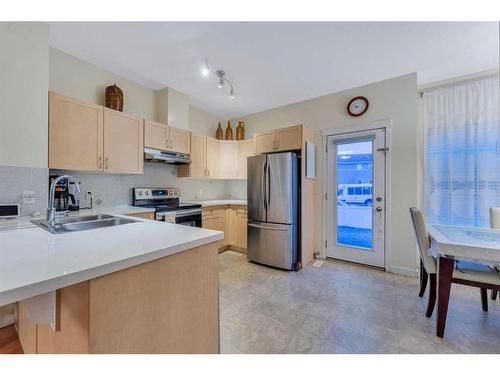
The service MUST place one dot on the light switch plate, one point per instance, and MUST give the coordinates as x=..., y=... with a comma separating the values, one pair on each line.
x=28, y=197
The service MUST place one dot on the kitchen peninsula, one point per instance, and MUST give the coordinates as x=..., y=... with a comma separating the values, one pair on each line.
x=144, y=287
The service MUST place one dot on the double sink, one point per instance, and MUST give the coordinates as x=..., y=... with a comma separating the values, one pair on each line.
x=75, y=224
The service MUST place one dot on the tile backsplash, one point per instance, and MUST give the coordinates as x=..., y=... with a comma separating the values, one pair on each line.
x=15, y=180
x=116, y=189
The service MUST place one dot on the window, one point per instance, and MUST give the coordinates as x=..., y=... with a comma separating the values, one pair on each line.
x=366, y=191
x=350, y=191
x=359, y=191
x=462, y=152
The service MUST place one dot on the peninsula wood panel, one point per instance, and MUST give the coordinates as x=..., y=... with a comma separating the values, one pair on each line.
x=26, y=330
x=233, y=226
x=73, y=333
x=169, y=305
x=180, y=140
x=155, y=135
x=75, y=134
x=123, y=143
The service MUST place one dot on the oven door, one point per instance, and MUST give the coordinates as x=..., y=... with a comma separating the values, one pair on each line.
x=191, y=217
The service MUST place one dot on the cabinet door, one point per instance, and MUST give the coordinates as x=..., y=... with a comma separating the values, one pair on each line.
x=75, y=134
x=213, y=150
x=179, y=140
x=228, y=159
x=245, y=149
x=233, y=227
x=242, y=228
x=198, y=164
x=264, y=142
x=289, y=138
x=123, y=143
x=155, y=135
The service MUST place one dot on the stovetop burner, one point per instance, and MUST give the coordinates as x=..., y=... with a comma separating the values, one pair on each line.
x=162, y=199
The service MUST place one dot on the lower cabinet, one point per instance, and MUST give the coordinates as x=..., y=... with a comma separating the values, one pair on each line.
x=168, y=305
x=232, y=220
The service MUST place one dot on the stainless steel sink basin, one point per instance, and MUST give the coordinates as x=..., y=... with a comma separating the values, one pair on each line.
x=75, y=224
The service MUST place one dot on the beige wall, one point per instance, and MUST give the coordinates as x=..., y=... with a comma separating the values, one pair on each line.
x=203, y=122
x=79, y=79
x=24, y=66
x=393, y=99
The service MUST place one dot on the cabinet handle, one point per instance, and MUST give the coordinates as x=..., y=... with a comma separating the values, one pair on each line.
x=99, y=163
x=277, y=145
x=208, y=172
x=106, y=163
x=171, y=144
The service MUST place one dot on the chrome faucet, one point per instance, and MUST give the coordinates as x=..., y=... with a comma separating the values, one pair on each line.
x=51, y=210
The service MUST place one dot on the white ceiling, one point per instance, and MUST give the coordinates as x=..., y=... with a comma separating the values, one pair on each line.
x=273, y=64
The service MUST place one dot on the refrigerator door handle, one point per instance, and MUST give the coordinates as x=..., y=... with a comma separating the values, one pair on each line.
x=268, y=191
x=264, y=184
x=270, y=228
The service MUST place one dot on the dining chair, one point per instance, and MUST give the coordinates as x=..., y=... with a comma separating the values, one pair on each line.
x=495, y=224
x=465, y=272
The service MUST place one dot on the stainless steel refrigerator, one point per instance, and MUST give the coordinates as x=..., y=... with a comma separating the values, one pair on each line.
x=273, y=209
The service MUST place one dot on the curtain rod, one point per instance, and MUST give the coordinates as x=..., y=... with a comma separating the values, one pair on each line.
x=456, y=83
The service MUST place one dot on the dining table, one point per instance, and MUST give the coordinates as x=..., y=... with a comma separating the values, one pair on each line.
x=449, y=243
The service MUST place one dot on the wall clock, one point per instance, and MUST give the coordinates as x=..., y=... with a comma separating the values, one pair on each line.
x=357, y=106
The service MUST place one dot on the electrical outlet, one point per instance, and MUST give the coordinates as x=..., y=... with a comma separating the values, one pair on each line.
x=28, y=197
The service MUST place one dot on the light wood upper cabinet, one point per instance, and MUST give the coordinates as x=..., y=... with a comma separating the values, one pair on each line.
x=264, y=142
x=75, y=134
x=167, y=138
x=213, y=157
x=179, y=140
x=155, y=135
x=228, y=159
x=245, y=149
x=289, y=138
x=198, y=165
x=123, y=142
x=283, y=139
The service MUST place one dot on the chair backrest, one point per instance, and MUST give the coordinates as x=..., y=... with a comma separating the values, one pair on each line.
x=495, y=217
x=423, y=240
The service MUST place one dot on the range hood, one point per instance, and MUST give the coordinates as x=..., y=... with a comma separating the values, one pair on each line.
x=167, y=157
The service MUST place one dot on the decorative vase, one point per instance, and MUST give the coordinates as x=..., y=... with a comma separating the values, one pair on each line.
x=114, y=98
x=229, y=131
x=240, y=131
x=219, y=134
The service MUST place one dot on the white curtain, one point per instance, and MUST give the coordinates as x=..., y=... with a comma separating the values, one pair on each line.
x=462, y=152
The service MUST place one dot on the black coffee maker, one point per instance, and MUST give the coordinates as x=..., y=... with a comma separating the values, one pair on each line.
x=64, y=198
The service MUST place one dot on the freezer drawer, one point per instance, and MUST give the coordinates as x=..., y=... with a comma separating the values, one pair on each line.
x=272, y=244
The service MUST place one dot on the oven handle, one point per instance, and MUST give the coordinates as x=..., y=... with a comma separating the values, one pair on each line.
x=181, y=213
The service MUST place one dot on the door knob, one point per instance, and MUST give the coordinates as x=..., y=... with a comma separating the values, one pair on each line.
x=379, y=199
x=378, y=209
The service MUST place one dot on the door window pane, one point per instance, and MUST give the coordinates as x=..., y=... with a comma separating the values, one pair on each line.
x=354, y=209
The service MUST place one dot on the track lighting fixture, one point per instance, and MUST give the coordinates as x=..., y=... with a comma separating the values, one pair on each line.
x=221, y=75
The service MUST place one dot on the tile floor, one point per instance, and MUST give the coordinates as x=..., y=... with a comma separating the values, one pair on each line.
x=343, y=308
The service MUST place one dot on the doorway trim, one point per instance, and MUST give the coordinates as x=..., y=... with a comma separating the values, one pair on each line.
x=367, y=126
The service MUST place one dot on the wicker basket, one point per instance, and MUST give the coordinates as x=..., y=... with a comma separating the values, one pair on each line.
x=114, y=98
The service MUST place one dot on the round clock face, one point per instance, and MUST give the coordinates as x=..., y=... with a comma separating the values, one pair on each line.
x=357, y=106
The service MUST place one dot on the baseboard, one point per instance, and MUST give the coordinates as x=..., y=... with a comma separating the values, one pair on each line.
x=403, y=271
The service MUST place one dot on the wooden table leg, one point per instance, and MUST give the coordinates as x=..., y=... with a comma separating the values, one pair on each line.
x=445, y=272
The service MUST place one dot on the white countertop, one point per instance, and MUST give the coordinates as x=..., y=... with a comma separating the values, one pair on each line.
x=221, y=202
x=34, y=261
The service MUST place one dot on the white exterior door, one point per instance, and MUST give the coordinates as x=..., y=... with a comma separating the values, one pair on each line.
x=356, y=173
